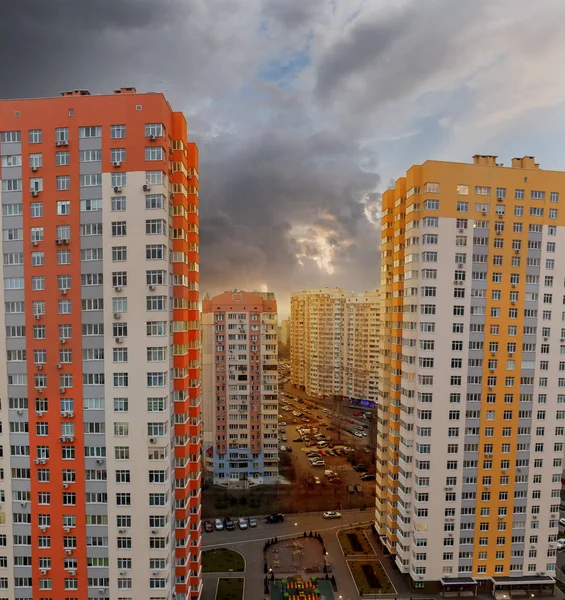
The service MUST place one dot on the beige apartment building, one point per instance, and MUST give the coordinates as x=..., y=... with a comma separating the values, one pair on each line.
x=334, y=339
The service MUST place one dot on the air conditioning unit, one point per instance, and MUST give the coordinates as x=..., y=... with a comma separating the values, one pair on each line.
x=146, y=188
x=39, y=367
x=493, y=353
x=70, y=438
x=457, y=282
x=62, y=390
x=491, y=370
x=511, y=354
x=490, y=388
x=61, y=143
x=152, y=288
x=119, y=340
x=34, y=194
x=43, y=571
x=516, y=251
x=101, y=590
x=23, y=503
x=38, y=390
x=67, y=529
x=99, y=461
x=151, y=137
x=65, y=485
x=65, y=241
x=62, y=439
x=117, y=189
x=62, y=340
x=33, y=169
x=122, y=573
x=513, y=302
x=20, y=412
x=513, y=285
x=117, y=163
x=35, y=243
x=155, y=573
x=59, y=366
x=118, y=288
x=44, y=529
x=545, y=339
x=70, y=414
x=461, y=230
x=152, y=440
x=58, y=242
x=72, y=572
x=68, y=552
x=117, y=316
x=122, y=531
x=63, y=292
x=448, y=488
x=36, y=461
x=37, y=317
x=42, y=461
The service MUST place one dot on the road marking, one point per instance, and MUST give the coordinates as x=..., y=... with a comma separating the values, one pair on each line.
x=284, y=535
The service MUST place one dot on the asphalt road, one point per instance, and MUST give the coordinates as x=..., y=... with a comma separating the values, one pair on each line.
x=292, y=525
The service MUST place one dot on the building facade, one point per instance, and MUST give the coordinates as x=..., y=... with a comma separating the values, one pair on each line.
x=334, y=338
x=100, y=418
x=240, y=388
x=470, y=427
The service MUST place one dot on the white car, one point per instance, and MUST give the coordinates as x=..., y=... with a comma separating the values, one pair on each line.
x=332, y=514
x=283, y=448
x=561, y=544
x=317, y=482
x=242, y=523
x=562, y=522
x=218, y=525
x=358, y=434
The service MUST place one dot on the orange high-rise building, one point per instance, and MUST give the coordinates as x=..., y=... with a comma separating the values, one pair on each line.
x=100, y=414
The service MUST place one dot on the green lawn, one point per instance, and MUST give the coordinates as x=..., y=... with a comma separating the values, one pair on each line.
x=370, y=577
x=230, y=589
x=354, y=542
x=222, y=560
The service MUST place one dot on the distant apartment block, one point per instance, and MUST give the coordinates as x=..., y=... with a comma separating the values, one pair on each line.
x=334, y=343
x=471, y=407
x=240, y=388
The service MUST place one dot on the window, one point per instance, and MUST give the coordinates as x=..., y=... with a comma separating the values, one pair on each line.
x=118, y=154
x=90, y=132
x=118, y=203
x=90, y=156
x=35, y=136
x=119, y=179
x=62, y=159
x=117, y=132
x=158, y=252
x=154, y=201
x=119, y=228
x=154, y=177
x=63, y=182
x=91, y=180
x=11, y=137
x=91, y=205
x=63, y=207
x=154, y=130
x=36, y=210
x=159, y=226
x=154, y=153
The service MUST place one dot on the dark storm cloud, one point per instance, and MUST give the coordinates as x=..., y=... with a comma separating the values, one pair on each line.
x=269, y=187
x=292, y=14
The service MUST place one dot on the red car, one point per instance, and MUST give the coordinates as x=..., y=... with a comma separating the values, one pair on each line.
x=208, y=526
x=351, y=422
x=357, y=414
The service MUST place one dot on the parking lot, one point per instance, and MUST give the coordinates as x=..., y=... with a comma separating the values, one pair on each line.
x=338, y=456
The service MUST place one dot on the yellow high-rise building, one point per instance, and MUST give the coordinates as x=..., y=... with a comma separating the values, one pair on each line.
x=334, y=337
x=470, y=427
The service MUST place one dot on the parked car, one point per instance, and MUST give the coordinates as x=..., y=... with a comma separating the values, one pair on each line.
x=561, y=522
x=229, y=524
x=282, y=424
x=367, y=477
x=330, y=473
x=275, y=518
x=208, y=526
x=335, y=480
x=561, y=544
x=283, y=448
x=361, y=468
x=284, y=438
x=242, y=523
x=332, y=514
x=218, y=525
x=298, y=439
x=358, y=434
x=317, y=480
x=252, y=522
x=288, y=449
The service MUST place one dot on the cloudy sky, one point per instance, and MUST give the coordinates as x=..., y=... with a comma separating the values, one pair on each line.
x=305, y=110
